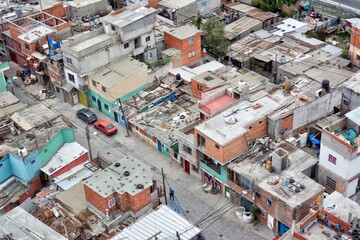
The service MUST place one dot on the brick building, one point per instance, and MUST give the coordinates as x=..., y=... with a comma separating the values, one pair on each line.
x=229, y=135
x=355, y=45
x=188, y=40
x=123, y=188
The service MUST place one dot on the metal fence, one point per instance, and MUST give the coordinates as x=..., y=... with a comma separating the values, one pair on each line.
x=335, y=9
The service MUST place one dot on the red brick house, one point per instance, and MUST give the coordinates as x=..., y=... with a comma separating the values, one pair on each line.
x=188, y=40
x=123, y=187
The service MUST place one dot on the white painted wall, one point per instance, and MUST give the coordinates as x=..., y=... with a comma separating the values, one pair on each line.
x=78, y=80
x=343, y=168
x=351, y=188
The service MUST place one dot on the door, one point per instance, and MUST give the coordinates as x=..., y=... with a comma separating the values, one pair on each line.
x=283, y=228
x=270, y=221
x=159, y=145
x=187, y=166
x=75, y=98
x=99, y=105
x=246, y=204
x=116, y=117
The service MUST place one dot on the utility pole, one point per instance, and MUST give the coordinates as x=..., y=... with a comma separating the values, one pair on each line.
x=123, y=114
x=88, y=141
x=163, y=179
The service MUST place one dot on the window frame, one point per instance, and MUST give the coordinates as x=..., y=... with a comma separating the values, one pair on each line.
x=94, y=83
x=103, y=89
x=147, y=39
x=126, y=45
x=332, y=159
x=68, y=60
x=71, y=77
x=191, y=40
x=106, y=107
x=330, y=183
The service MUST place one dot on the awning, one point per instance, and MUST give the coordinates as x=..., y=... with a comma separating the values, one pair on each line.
x=38, y=55
x=262, y=58
x=67, y=87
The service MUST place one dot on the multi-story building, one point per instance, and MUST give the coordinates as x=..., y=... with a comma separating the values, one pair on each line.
x=187, y=39
x=339, y=165
x=229, y=135
x=351, y=94
x=124, y=32
x=355, y=45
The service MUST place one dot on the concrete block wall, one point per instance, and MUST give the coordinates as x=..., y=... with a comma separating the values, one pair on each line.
x=257, y=129
x=323, y=173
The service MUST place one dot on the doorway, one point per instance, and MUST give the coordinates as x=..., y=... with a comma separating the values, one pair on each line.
x=283, y=228
x=187, y=166
x=75, y=98
x=99, y=105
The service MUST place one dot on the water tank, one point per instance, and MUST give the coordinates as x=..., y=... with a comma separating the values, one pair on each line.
x=178, y=77
x=241, y=85
x=22, y=152
x=18, y=10
x=283, y=59
x=325, y=84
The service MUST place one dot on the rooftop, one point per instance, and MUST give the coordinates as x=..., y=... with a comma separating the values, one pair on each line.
x=114, y=178
x=175, y=4
x=341, y=206
x=81, y=3
x=124, y=18
x=253, y=169
x=10, y=192
x=353, y=83
x=209, y=79
x=114, y=73
x=240, y=26
x=9, y=104
x=287, y=25
x=183, y=32
x=164, y=223
x=64, y=156
x=15, y=222
x=33, y=116
x=36, y=34
x=35, y=138
x=300, y=191
x=73, y=199
x=251, y=11
x=239, y=118
x=93, y=41
x=354, y=116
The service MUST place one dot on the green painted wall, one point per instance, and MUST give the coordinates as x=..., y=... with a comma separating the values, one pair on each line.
x=3, y=67
x=63, y=136
x=103, y=101
x=135, y=91
x=223, y=177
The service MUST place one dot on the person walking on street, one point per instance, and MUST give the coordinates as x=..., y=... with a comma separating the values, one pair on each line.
x=171, y=193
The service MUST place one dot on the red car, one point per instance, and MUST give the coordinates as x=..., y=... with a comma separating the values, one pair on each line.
x=105, y=127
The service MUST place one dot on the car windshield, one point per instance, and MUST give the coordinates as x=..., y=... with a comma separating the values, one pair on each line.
x=110, y=126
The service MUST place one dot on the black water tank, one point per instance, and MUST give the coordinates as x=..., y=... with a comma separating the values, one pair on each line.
x=325, y=84
x=178, y=77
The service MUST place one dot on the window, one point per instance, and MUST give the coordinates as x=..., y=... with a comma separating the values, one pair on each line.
x=93, y=98
x=8, y=40
x=191, y=40
x=103, y=89
x=194, y=168
x=191, y=54
x=262, y=212
x=257, y=194
x=331, y=183
x=150, y=55
x=111, y=202
x=199, y=87
x=113, y=27
x=217, y=146
x=357, y=57
x=94, y=82
x=187, y=149
x=126, y=45
x=147, y=39
x=106, y=107
x=268, y=202
x=71, y=77
x=68, y=60
x=27, y=46
x=345, y=102
x=244, y=182
x=332, y=159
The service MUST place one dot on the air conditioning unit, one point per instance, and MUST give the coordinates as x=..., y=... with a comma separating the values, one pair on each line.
x=148, y=46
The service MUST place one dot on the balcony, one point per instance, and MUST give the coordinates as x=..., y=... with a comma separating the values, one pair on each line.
x=217, y=171
x=138, y=51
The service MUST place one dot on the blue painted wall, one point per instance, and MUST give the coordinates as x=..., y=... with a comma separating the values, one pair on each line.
x=5, y=168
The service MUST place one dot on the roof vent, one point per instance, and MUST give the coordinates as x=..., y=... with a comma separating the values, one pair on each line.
x=127, y=173
x=117, y=164
x=140, y=186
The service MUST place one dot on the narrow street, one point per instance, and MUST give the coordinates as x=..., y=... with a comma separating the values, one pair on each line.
x=195, y=203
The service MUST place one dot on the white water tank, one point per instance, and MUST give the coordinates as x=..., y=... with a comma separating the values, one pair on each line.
x=22, y=152
x=241, y=85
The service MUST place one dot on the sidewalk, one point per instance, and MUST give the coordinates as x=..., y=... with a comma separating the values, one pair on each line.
x=188, y=192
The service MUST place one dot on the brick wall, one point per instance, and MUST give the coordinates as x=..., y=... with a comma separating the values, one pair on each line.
x=334, y=220
x=194, y=88
x=354, y=39
x=257, y=129
x=98, y=201
x=185, y=47
x=287, y=123
x=311, y=218
x=35, y=187
x=140, y=200
x=153, y=3
x=58, y=10
x=261, y=202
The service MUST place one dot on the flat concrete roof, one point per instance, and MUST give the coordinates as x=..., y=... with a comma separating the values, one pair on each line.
x=171, y=51
x=244, y=114
x=33, y=116
x=341, y=206
x=64, y=156
x=353, y=84
x=129, y=16
x=173, y=4
x=81, y=3
x=183, y=32
x=10, y=191
x=112, y=178
x=288, y=25
x=93, y=41
x=73, y=198
x=209, y=79
x=113, y=73
x=354, y=116
x=9, y=104
x=9, y=225
x=36, y=34
x=251, y=11
x=287, y=194
x=240, y=26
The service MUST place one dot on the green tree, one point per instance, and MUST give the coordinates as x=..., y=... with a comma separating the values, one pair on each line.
x=197, y=22
x=214, y=37
x=270, y=5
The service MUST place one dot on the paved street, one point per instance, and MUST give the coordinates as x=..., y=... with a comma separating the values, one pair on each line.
x=194, y=202
x=354, y=4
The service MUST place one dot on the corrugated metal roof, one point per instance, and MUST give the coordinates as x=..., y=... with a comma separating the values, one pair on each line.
x=164, y=223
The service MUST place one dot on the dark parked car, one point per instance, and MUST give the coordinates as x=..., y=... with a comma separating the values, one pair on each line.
x=86, y=115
